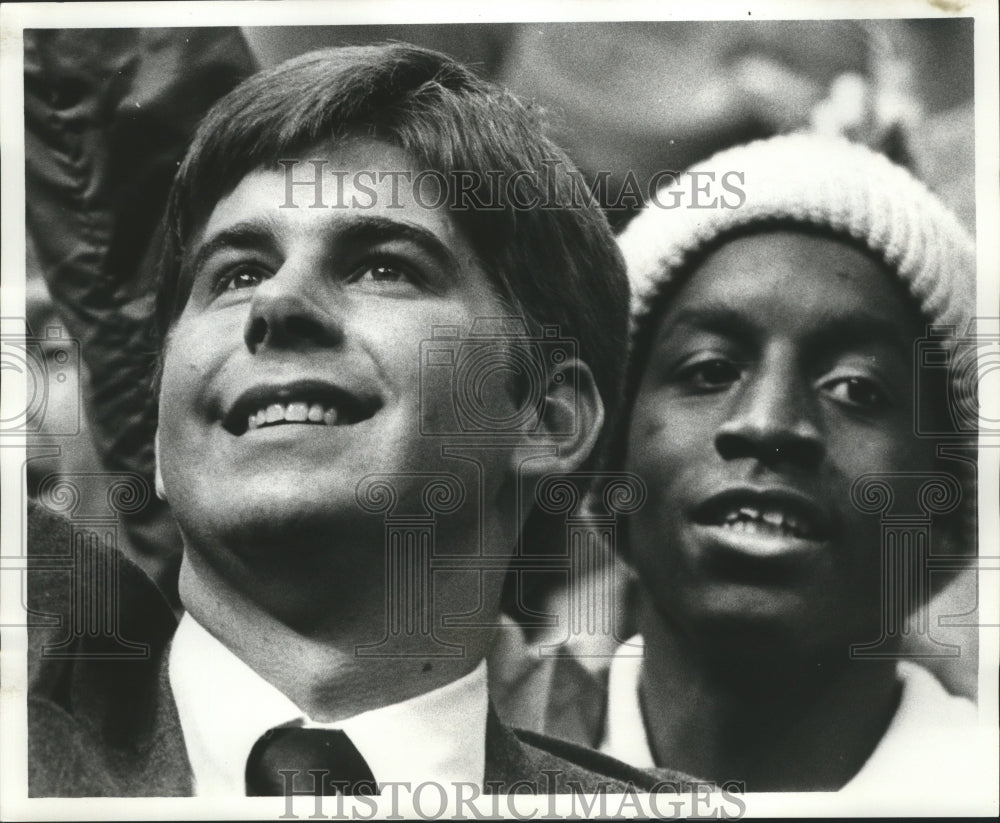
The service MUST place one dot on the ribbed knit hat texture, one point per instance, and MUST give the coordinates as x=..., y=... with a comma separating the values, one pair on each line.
x=818, y=181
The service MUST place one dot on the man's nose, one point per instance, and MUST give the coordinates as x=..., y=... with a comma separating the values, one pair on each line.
x=773, y=419
x=296, y=308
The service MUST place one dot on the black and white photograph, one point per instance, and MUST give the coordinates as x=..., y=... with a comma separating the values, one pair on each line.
x=447, y=411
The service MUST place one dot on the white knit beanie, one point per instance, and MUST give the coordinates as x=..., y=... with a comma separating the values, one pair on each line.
x=818, y=181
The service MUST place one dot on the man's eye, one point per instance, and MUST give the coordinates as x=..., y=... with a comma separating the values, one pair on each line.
x=709, y=375
x=386, y=275
x=241, y=277
x=858, y=392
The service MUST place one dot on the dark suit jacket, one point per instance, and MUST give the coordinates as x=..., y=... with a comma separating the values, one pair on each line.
x=101, y=715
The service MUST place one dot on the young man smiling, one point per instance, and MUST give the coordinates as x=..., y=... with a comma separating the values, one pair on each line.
x=773, y=368
x=291, y=372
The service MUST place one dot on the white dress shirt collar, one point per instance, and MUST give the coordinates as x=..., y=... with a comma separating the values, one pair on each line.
x=927, y=744
x=624, y=729
x=224, y=706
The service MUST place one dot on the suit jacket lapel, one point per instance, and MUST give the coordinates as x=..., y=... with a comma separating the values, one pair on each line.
x=530, y=763
x=577, y=703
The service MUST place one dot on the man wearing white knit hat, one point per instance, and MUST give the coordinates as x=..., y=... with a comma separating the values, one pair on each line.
x=772, y=387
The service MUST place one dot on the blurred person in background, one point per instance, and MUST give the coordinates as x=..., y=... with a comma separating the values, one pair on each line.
x=108, y=114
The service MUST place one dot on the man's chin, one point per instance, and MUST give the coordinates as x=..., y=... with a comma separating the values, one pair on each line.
x=288, y=528
x=776, y=633
x=309, y=595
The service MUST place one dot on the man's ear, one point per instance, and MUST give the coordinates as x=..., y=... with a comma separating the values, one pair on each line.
x=571, y=419
x=161, y=491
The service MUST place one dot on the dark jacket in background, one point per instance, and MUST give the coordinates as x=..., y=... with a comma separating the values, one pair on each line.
x=108, y=116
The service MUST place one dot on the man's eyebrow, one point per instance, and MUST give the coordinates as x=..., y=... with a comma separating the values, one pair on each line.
x=249, y=235
x=711, y=317
x=372, y=229
x=839, y=333
x=830, y=333
x=259, y=234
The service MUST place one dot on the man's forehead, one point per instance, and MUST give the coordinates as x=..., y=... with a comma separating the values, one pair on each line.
x=332, y=187
x=310, y=179
x=826, y=284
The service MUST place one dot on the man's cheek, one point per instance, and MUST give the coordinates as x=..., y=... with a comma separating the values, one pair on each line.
x=656, y=450
x=880, y=452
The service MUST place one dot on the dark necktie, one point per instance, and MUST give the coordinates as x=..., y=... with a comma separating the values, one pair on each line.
x=282, y=759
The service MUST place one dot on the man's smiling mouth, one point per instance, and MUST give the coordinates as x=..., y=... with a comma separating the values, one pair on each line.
x=311, y=403
x=768, y=521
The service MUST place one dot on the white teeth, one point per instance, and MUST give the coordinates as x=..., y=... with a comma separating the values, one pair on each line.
x=773, y=518
x=296, y=412
x=753, y=521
